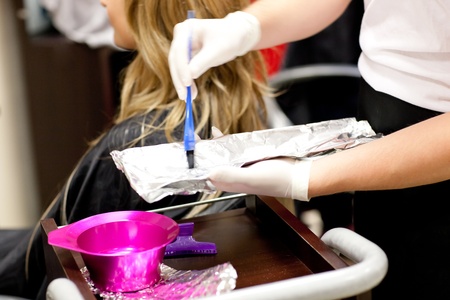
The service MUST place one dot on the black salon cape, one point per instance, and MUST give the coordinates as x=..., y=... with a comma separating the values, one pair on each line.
x=97, y=186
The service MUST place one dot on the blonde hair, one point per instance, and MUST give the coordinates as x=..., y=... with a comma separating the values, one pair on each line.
x=230, y=97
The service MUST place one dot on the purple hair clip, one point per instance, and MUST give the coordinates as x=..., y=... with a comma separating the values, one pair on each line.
x=185, y=244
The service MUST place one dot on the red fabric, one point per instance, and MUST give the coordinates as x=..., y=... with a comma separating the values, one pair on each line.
x=274, y=58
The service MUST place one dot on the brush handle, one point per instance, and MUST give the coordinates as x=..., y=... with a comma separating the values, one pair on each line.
x=189, y=129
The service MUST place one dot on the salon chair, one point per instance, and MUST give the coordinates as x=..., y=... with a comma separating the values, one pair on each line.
x=317, y=92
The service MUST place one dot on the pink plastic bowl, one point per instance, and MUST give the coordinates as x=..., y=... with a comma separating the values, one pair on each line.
x=122, y=250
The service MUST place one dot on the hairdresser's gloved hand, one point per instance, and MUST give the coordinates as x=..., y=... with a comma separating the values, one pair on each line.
x=214, y=42
x=281, y=177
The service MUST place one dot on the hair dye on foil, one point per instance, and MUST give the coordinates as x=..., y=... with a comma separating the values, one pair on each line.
x=155, y=172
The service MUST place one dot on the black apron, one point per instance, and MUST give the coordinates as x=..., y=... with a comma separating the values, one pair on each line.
x=411, y=225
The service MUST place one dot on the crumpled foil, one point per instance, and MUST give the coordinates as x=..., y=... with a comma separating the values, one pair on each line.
x=155, y=172
x=178, y=285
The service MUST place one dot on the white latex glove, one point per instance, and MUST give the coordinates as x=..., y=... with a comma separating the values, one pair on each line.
x=214, y=42
x=281, y=177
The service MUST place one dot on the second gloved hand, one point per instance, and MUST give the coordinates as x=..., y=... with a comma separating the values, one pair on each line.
x=281, y=177
x=213, y=41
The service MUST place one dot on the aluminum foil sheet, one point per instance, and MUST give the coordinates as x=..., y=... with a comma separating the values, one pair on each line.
x=162, y=170
x=178, y=284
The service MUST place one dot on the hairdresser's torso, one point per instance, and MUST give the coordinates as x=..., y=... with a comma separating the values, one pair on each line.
x=406, y=50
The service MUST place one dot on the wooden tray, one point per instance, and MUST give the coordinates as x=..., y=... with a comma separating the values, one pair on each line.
x=264, y=242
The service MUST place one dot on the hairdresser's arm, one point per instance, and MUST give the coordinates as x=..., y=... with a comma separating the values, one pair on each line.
x=417, y=155
x=284, y=21
x=265, y=23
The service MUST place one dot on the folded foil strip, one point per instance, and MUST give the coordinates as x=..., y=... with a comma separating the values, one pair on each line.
x=178, y=284
x=155, y=172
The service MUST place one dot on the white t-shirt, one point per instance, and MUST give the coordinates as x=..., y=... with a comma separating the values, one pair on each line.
x=82, y=21
x=406, y=50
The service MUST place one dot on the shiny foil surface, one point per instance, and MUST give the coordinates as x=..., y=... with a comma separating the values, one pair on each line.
x=178, y=284
x=158, y=171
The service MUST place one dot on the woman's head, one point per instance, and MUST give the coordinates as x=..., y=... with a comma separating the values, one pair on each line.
x=230, y=96
x=117, y=18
